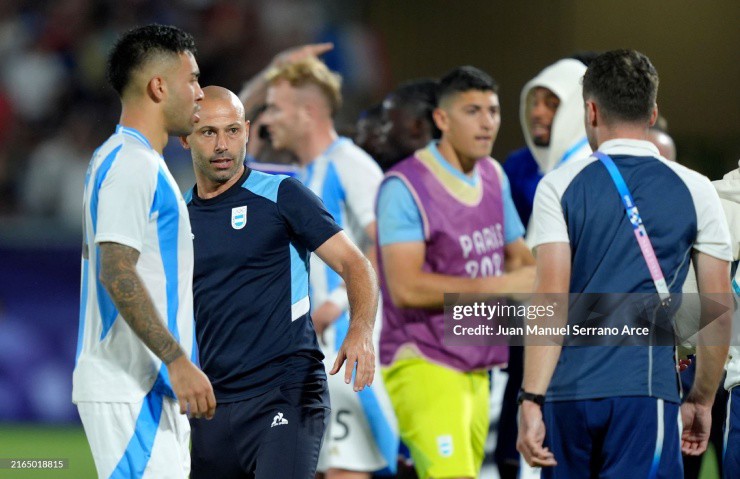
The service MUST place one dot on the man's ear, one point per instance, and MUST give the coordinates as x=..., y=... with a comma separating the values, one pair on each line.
x=247, y=125
x=441, y=119
x=184, y=142
x=157, y=89
x=306, y=111
x=592, y=114
x=654, y=115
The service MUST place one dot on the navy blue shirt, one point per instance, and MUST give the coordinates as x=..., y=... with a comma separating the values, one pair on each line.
x=579, y=204
x=607, y=259
x=524, y=176
x=252, y=245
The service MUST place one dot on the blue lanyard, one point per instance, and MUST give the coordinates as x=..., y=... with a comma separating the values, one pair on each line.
x=572, y=150
x=633, y=215
x=621, y=185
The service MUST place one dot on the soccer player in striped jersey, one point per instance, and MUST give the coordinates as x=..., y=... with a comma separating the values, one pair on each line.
x=136, y=333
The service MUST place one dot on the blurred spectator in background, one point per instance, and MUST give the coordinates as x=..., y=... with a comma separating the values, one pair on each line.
x=53, y=55
x=407, y=121
x=658, y=136
x=254, y=91
x=729, y=192
x=551, y=116
x=63, y=157
x=368, y=134
x=32, y=79
x=260, y=149
x=692, y=465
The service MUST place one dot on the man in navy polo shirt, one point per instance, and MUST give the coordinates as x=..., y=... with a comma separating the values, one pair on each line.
x=253, y=234
x=612, y=411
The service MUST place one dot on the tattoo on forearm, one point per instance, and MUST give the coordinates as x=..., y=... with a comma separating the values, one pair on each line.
x=123, y=283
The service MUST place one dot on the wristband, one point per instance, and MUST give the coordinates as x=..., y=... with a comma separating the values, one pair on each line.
x=538, y=399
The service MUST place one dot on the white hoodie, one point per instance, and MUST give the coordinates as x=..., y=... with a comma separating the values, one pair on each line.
x=729, y=194
x=567, y=134
x=563, y=78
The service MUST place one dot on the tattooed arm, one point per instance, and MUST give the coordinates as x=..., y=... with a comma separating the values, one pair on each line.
x=119, y=276
x=125, y=287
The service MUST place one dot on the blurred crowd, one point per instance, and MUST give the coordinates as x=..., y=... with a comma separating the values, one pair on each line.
x=56, y=107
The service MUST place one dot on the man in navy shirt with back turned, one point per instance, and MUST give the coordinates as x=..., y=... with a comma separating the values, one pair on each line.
x=253, y=234
x=613, y=411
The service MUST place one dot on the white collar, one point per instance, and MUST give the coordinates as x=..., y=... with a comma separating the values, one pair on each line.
x=629, y=147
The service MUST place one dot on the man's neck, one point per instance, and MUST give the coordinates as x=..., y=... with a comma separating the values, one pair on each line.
x=209, y=189
x=147, y=122
x=458, y=161
x=315, y=144
x=624, y=132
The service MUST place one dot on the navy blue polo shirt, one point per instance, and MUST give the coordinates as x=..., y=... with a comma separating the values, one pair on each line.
x=579, y=204
x=250, y=284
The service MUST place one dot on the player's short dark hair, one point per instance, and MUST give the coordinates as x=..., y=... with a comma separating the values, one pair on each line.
x=418, y=96
x=462, y=79
x=137, y=46
x=623, y=83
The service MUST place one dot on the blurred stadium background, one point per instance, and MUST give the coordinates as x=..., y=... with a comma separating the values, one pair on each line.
x=55, y=108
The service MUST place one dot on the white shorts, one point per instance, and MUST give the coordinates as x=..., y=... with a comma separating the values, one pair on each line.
x=350, y=442
x=147, y=439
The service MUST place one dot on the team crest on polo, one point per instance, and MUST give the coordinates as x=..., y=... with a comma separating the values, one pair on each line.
x=239, y=217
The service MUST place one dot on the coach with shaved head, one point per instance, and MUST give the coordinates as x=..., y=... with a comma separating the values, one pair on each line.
x=253, y=234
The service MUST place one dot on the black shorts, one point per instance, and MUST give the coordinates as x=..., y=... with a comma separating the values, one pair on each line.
x=276, y=435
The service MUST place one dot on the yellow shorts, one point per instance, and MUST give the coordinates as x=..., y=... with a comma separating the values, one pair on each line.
x=442, y=416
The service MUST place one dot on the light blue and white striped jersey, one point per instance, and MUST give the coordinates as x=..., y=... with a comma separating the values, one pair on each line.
x=347, y=180
x=131, y=199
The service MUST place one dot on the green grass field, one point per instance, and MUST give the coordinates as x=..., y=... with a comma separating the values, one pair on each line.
x=29, y=442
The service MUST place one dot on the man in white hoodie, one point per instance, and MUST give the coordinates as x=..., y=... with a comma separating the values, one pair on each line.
x=551, y=113
x=729, y=194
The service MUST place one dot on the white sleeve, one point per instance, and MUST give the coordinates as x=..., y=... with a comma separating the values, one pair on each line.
x=732, y=214
x=361, y=178
x=713, y=234
x=547, y=223
x=125, y=200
